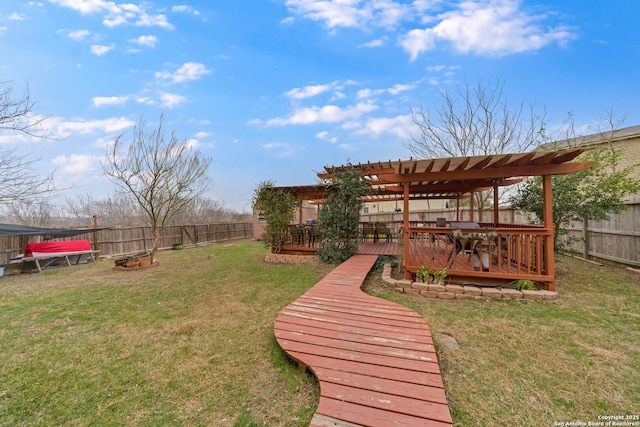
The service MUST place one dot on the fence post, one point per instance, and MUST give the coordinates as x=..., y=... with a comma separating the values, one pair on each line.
x=95, y=233
x=586, y=240
x=144, y=239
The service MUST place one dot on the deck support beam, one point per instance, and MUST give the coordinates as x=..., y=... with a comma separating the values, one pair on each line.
x=405, y=230
x=548, y=225
x=496, y=205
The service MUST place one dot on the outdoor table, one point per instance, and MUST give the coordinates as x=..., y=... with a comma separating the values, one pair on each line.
x=473, y=240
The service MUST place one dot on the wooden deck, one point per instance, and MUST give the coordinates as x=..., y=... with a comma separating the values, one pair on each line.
x=381, y=247
x=374, y=359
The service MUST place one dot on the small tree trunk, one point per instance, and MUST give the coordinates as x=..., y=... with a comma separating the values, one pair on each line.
x=156, y=241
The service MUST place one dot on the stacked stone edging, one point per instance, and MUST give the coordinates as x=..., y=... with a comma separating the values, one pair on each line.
x=451, y=291
x=291, y=259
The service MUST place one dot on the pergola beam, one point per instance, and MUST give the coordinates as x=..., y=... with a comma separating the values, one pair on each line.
x=487, y=173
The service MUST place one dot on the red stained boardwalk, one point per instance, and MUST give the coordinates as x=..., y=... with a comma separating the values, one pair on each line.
x=374, y=359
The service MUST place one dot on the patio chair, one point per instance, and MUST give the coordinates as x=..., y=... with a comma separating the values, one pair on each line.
x=381, y=228
x=367, y=230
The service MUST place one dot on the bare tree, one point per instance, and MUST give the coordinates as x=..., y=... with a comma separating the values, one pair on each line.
x=162, y=175
x=32, y=213
x=117, y=209
x=201, y=210
x=20, y=182
x=476, y=120
x=17, y=113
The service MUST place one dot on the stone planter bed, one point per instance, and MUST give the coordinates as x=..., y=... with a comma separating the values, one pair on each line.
x=450, y=291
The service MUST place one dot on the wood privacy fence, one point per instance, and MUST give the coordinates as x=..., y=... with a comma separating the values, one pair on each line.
x=131, y=240
x=616, y=240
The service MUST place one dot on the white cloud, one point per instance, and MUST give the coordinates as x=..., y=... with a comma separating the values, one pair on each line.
x=17, y=17
x=76, y=163
x=417, y=41
x=376, y=43
x=497, y=28
x=13, y=138
x=288, y=20
x=184, y=9
x=436, y=68
x=202, y=135
x=396, y=89
x=145, y=20
x=88, y=6
x=284, y=149
x=170, y=100
x=3, y=30
x=314, y=90
x=400, y=126
x=490, y=27
x=100, y=50
x=78, y=35
x=325, y=137
x=368, y=93
x=351, y=13
x=307, y=91
x=146, y=100
x=116, y=13
x=64, y=128
x=192, y=143
x=145, y=41
x=187, y=72
x=372, y=93
x=326, y=114
x=484, y=27
x=101, y=101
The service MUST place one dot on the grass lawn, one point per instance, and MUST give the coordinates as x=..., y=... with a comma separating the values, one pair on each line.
x=187, y=342
x=190, y=342
x=536, y=363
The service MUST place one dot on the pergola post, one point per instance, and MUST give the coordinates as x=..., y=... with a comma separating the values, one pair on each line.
x=496, y=206
x=405, y=229
x=473, y=207
x=548, y=226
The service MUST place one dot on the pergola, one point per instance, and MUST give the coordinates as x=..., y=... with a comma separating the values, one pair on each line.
x=529, y=249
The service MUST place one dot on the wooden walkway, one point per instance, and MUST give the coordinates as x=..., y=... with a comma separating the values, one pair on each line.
x=374, y=359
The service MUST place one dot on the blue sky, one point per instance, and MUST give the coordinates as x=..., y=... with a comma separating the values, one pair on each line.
x=277, y=89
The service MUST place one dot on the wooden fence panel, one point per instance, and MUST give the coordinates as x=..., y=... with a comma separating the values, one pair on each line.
x=131, y=240
x=616, y=240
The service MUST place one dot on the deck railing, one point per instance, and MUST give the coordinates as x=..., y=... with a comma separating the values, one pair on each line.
x=507, y=252
x=301, y=239
x=490, y=253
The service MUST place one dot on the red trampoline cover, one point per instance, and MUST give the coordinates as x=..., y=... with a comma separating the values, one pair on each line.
x=46, y=248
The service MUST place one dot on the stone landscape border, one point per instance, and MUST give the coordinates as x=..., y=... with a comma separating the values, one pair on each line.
x=450, y=291
x=291, y=259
